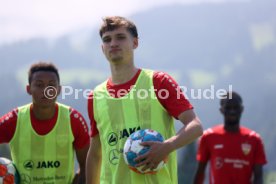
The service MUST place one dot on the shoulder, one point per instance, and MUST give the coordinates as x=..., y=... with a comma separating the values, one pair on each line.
x=75, y=114
x=163, y=80
x=211, y=134
x=9, y=119
x=159, y=75
x=90, y=96
x=77, y=119
x=215, y=130
x=101, y=86
x=249, y=132
x=10, y=116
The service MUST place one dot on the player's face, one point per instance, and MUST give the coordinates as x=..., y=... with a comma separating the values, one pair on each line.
x=232, y=111
x=44, y=88
x=118, y=45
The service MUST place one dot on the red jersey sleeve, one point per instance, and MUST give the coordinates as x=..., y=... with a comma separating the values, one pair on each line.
x=259, y=157
x=80, y=129
x=203, y=153
x=8, y=126
x=174, y=101
x=93, y=131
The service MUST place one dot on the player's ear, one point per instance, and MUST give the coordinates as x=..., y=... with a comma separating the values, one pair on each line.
x=28, y=89
x=58, y=90
x=221, y=109
x=242, y=108
x=135, y=42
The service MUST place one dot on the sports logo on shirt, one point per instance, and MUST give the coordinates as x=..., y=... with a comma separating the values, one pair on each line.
x=112, y=139
x=218, y=163
x=218, y=146
x=28, y=165
x=114, y=156
x=246, y=148
x=24, y=178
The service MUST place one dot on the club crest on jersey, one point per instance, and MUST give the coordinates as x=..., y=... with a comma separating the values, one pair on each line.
x=246, y=148
x=218, y=163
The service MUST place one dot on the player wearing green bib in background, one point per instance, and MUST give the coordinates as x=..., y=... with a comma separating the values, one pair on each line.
x=43, y=135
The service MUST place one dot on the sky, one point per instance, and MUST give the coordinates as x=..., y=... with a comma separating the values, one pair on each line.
x=26, y=19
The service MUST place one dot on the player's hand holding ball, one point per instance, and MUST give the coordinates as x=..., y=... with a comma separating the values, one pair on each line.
x=143, y=151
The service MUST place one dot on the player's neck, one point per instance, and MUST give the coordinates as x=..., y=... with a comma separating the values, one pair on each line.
x=122, y=73
x=232, y=127
x=43, y=113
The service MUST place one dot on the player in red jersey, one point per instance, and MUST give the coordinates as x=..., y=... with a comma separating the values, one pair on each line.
x=236, y=153
x=44, y=115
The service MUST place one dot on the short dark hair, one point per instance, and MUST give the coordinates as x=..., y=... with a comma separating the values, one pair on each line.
x=230, y=95
x=42, y=66
x=113, y=22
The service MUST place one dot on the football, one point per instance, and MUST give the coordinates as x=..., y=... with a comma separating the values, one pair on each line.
x=8, y=173
x=133, y=149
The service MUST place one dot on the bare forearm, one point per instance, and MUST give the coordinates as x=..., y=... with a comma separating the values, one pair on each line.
x=81, y=179
x=258, y=174
x=93, y=168
x=199, y=178
x=200, y=173
x=258, y=179
x=185, y=135
x=94, y=161
x=81, y=157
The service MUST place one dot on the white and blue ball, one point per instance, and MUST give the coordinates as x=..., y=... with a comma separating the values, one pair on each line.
x=133, y=149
